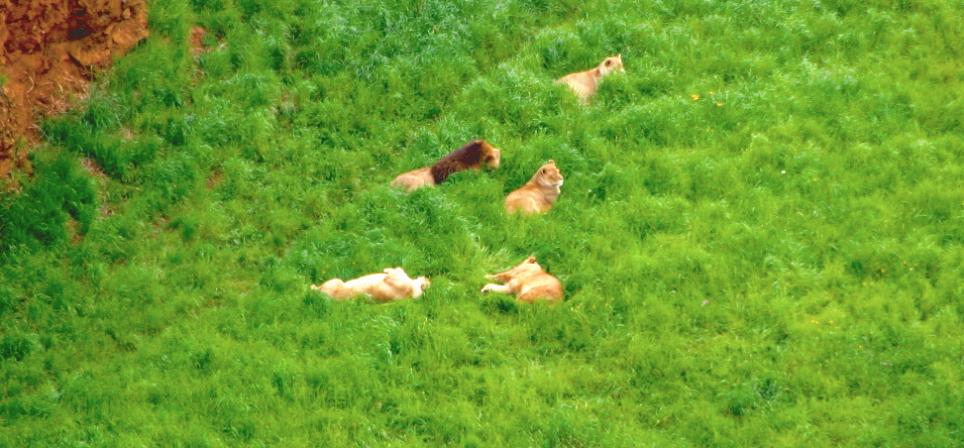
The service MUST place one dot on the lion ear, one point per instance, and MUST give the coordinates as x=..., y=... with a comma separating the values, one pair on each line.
x=531, y=259
x=551, y=162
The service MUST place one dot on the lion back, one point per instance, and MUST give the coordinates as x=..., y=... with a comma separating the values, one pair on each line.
x=466, y=157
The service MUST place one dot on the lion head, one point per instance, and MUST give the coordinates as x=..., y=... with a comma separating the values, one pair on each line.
x=612, y=64
x=528, y=266
x=548, y=175
x=491, y=156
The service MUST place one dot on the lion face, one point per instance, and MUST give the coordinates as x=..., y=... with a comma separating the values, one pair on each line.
x=492, y=158
x=612, y=64
x=549, y=176
x=423, y=283
x=528, y=264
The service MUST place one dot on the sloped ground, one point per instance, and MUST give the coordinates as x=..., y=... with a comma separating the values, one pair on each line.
x=48, y=52
x=760, y=233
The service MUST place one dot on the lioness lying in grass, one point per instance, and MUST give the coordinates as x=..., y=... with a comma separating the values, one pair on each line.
x=391, y=284
x=584, y=84
x=539, y=194
x=528, y=281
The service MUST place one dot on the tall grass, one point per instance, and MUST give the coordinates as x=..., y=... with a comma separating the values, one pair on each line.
x=776, y=263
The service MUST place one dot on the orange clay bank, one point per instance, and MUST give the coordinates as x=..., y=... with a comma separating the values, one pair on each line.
x=528, y=281
x=389, y=285
x=537, y=195
x=584, y=84
x=473, y=155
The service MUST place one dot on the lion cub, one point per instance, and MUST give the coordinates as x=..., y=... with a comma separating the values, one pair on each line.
x=537, y=195
x=585, y=84
x=527, y=281
x=391, y=284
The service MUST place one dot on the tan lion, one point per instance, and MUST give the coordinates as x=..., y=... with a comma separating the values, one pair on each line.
x=528, y=281
x=539, y=194
x=585, y=84
x=391, y=284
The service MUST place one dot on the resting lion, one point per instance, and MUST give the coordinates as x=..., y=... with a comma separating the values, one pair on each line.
x=473, y=155
x=528, y=281
x=584, y=84
x=539, y=194
x=391, y=284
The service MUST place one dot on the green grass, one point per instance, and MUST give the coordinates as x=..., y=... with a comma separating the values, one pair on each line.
x=782, y=269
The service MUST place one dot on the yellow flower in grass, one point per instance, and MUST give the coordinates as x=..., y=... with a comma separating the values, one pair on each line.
x=695, y=97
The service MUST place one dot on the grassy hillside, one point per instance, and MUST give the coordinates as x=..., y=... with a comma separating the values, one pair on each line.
x=760, y=233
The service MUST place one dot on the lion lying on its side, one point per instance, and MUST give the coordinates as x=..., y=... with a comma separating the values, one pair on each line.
x=391, y=284
x=528, y=281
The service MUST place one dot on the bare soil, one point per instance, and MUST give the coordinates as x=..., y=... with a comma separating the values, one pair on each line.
x=48, y=51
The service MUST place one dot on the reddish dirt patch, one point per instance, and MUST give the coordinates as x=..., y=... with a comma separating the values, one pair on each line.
x=48, y=50
x=197, y=40
x=73, y=229
x=215, y=179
